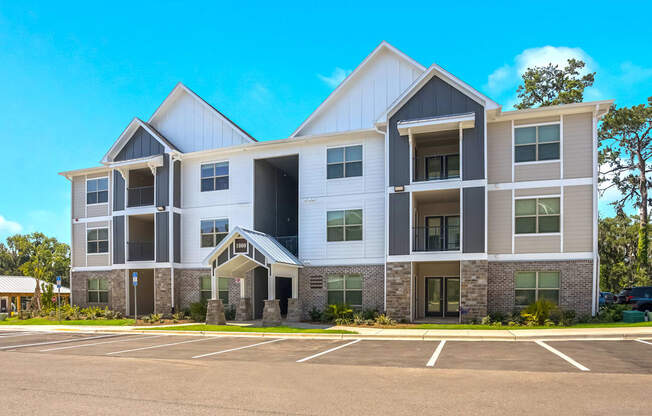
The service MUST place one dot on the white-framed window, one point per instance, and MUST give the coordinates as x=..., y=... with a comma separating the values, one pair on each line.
x=97, y=240
x=344, y=225
x=213, y=231
x=98, y=291
x=97, y=191
x=537, y=143
x=345, y=289
x=222, y=289
x=214, y=176
x=532, y=286
x=344, y=162
x=537, y=215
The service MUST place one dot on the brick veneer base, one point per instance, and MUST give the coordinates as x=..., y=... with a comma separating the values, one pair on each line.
x=398, y=290
x=575, y=292
x=116, y=280
x=373, y=276
x=473, y=294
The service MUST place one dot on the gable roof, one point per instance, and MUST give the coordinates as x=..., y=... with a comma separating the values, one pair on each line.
x=264, y=243
x=23, y=284
x=128, y=132
x=181, y=88
x=383, y=46
x=436, y=70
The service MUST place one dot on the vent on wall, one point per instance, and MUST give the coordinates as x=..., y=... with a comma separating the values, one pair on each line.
x=316, y=282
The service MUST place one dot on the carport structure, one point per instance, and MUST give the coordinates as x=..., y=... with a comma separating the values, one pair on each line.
x=246, y=254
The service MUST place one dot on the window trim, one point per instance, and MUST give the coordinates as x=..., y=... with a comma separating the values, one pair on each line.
x=213, y=162
x=537, y=161
x=228, y=224
x=108, y=191
x=344, y=225
x=536, y=283
x=344, y=290
x=344, y=146
x=98, y=291
x=210, y=291
x=536, y=233
x=108, y=241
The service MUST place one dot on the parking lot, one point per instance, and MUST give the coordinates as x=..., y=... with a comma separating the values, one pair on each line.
x=581, y=355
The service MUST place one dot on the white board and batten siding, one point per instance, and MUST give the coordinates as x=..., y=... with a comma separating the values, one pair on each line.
x=317, y=195
x=359, y=103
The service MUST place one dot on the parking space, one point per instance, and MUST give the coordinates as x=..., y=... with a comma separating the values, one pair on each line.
x=629, y=357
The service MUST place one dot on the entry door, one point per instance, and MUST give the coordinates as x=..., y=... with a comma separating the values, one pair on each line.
x=283, y=293
x=442, y=296
x=434, y=235
x=3, y=305
x=452, y=291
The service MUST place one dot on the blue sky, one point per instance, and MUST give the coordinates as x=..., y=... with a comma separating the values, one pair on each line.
x=74, y=74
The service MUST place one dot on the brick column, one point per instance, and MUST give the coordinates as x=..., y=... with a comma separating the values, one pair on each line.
x=473, y=297
x=398, y=290
x=162, y=291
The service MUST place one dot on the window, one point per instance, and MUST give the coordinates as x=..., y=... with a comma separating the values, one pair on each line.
x=345, y=289
x=537, y=215
x=344, y=225
x=97, y=240
x=532, y=286
x=222, y=289
x=536, y=143
x=442, y=167
x=213, y=231
x=214, y=176
x=97, y=191
x=98, y=291
x=344, y=162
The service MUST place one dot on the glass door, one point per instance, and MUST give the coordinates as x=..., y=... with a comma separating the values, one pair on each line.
x=452, y=296
x=434, y=233
x=433, y=167
x=434, y=296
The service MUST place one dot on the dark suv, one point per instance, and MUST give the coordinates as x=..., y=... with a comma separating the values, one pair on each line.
x=624, y=296
x=641, y=298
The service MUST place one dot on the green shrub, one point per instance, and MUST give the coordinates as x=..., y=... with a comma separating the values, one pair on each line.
x=333, y=313
x=198, y=311
x=384, y=320
x=538, y=312
x=315, y=314
x=369, y=314
x=229, y=313
x=612, y=313
x=499, y=317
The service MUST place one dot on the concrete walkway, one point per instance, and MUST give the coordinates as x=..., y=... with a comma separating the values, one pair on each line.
x=370, y=332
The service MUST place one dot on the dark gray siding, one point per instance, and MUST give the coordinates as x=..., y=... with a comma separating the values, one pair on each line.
x=118, y=191
x=177, y=184
x=177, y=237
x=119, y=239
x=162, y=237
x=141, y=144
x=399, y=224
x=260, y=291
x=276, y=203
x=473, y=220
x=163, y=182
x=437, y=98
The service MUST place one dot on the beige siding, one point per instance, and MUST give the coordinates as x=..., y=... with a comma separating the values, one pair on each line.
x=98, y=260
x=537, y=244
x=97, y=210
x=553, y=190
x=578, y=218
x=499, y=152
x=536, y=171
x=537, y=120
x=578, y=146
x=79, y=245
x=500, y=222
x=79, y=197
x=97, y=224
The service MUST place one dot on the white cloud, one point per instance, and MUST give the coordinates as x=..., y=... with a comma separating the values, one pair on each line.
x=8, y=228
x=335, y=78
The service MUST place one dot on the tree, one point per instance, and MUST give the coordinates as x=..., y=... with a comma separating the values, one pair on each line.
x=625, y=155
x=549, y=85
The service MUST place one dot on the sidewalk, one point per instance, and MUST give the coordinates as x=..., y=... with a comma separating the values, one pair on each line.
x=622, y=333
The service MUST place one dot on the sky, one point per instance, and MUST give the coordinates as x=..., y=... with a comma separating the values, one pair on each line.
x=74, y=74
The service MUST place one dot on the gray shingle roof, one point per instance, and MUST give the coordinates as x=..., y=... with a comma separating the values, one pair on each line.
x=22, y=284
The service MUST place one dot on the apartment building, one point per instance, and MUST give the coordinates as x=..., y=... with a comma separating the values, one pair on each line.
x=405, y=191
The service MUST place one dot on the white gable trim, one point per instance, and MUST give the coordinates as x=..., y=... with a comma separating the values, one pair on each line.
x=447, y=77
x=348, y=80
x=179, y=88
x=126, y=135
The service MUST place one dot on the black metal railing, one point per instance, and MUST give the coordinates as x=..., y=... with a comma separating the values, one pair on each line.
x=291, y=243
x=422, y=172
x=140, y=250
x=140, y=197
x=436, y=238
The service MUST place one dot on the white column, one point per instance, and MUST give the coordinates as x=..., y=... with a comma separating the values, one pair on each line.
x=213, y=283
x=243, y=288
x=271, y=285
x=295, y=287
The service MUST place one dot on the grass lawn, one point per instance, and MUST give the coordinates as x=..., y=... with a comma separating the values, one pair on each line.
x=505, y=327
x=45, y=321
x=235, y=328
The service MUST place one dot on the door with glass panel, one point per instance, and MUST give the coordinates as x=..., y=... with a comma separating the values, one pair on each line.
x=433, y=234
x=442, y=296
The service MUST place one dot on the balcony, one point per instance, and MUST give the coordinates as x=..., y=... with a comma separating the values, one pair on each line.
x=140, y=251
x=436, y=221
x=437, y=238
x=436, y=156
x=140, y=197
x=291, y=243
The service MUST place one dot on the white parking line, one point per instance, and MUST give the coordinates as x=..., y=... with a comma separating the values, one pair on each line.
x=435, y=355
x=327, y=351
x=54, y=342
x=644, y=342
x=122, y=339
x=18, y=335
x=562, y=355
x=160, y=346
x=239, y=348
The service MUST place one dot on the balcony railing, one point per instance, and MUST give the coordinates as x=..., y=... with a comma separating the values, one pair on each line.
x=291, y=243
x=140, y=250
x=140, y=197
x=436, y=238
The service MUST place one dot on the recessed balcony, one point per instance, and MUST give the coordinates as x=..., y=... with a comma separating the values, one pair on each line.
x=436, y=221
x=140, y=192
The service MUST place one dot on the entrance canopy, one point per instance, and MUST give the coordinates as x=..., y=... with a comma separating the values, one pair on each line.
x=243, y=250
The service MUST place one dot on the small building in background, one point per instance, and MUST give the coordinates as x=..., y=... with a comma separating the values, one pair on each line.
x=17, y=291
